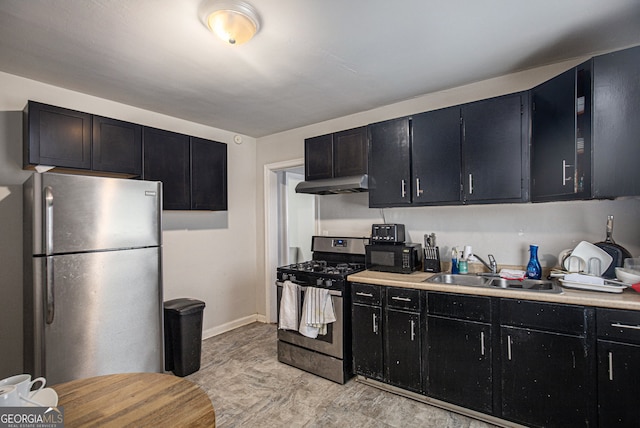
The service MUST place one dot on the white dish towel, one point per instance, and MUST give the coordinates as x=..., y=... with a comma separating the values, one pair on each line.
x=289, y=307
x=317, y=312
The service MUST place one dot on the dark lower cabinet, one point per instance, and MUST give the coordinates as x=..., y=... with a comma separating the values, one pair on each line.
x=547, y=370
x=367, y=340
x=366, y=322
x=404, y=336
x=618, y=367
x=459, y=350
x=618, y=384
x=403, y=349
x=545, y=378
x=460, y=362
x=537, y=364
x=388, y=349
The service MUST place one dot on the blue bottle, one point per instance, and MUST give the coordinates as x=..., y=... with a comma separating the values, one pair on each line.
x=454, y=260
x=534, y=270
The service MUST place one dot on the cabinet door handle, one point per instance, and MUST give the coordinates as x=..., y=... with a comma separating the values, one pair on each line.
x=610, y=365
x=632, y=327
x=402, y=299
x=509, y=347
x=482, y=343
x=419, y=191
x=413, y=331
x=471, y=184
x=375, y=324
x=404, y=188
x=359, y=293
x=565, y=165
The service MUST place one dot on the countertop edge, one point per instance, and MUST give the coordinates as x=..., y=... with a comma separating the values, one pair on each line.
x=628, y=299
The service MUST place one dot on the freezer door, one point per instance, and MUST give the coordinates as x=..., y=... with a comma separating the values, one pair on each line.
x=74, y=213
x=104, y=314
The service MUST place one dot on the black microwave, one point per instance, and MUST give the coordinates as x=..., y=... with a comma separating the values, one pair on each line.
x=396, y=258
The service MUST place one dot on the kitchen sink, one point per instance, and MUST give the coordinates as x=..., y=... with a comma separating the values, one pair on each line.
x=534, y=285
x=449, y=278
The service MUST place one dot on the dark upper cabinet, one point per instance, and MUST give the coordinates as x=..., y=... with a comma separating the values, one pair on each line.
x=350, y=152
x=474, y=153
x=616, y=110
x=561, y=137
x=460, y=350
x=340, y=154
x=495, y=149
x=318, y=157
x=618, y=368
x=208, y=175
x=193, y=170
x=389, y=163
x=167, y=159
x=546, y=371
x=71, y=139
x=436, y=157
x=117, y=146
x=56, y=136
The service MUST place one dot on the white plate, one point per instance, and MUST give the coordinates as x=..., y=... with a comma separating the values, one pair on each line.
x=46, y=397
x=611, y=288
x=586, y=251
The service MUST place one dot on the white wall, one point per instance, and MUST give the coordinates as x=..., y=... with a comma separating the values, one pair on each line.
x=207, y=256
x=504, y=230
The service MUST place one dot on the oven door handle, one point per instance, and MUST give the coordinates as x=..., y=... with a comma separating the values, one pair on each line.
x=304, y=288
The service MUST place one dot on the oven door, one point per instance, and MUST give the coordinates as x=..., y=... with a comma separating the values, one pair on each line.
x=331, y=343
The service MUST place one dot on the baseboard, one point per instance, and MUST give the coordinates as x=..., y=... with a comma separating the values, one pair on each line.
x=214, y=331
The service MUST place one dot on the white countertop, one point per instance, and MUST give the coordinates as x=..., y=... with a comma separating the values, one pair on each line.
x=628, y=299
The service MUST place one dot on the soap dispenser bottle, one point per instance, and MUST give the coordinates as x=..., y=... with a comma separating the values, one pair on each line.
x=534, y=270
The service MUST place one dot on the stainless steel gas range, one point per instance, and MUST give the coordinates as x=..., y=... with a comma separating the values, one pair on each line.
x=328, y=355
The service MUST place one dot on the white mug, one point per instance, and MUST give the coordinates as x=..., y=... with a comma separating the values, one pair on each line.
x=23, y=384
x=9, y=396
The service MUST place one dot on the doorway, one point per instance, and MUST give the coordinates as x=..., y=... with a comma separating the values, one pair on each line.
x=290, y=222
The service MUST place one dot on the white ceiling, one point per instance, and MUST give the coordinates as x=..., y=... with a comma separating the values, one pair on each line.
x=311, y=61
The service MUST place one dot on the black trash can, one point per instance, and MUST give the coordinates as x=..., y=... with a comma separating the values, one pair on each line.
x=182, y=335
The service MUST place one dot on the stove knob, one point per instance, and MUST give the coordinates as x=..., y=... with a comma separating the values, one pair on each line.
x=319, y=282
x=328, y=283
x=285, y=276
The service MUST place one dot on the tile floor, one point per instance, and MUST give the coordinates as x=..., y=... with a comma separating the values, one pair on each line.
x=250, y=388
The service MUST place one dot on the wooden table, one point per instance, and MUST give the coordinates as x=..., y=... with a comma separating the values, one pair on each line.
x=134, y=399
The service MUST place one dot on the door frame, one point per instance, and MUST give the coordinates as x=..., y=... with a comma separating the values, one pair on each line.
x=273, y=229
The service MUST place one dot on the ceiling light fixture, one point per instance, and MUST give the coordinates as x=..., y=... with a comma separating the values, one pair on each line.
x=235, y=22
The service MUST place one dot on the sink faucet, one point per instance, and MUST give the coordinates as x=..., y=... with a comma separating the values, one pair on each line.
x=492, y=266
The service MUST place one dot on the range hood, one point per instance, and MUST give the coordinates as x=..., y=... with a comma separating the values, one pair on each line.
x=331, y=186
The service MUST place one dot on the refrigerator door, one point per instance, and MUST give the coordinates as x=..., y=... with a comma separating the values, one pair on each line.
x=74, y=213
x=103, y=314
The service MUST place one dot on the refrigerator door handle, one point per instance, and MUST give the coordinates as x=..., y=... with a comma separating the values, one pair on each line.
x=48, y=220
x=49, y=291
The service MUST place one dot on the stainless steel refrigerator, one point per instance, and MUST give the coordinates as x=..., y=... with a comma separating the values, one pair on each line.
x=92, y=276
